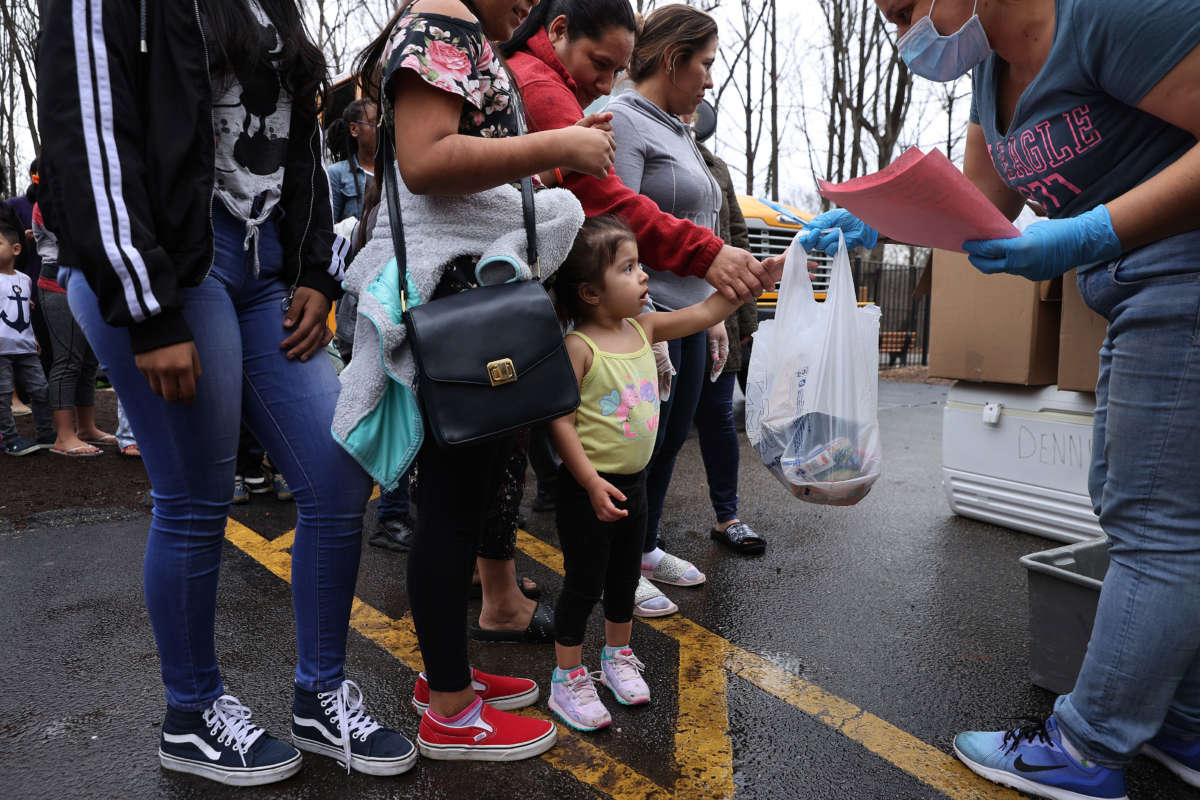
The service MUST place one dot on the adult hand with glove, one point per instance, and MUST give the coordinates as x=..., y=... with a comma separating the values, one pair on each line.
x=718, y=349
x=662, y=360
x=1048, y=249
x=819, y=233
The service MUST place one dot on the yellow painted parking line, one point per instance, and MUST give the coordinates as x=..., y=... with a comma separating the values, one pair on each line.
x=703, y=750
x=587, y=763
x=283, y=542
x=701, y=648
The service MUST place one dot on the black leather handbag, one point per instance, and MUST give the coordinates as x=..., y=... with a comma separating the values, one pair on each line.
x=491, y=359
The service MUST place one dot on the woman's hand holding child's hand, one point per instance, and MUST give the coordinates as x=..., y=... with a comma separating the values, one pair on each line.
x=602, y=493
x=601, y=121
x=590, y=150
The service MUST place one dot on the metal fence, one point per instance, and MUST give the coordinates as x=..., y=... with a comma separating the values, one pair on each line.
x=904, y=322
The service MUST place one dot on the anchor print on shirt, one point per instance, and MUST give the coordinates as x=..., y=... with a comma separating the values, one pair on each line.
x=21, y=322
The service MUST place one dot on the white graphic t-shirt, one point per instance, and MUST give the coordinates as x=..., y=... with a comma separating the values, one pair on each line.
x=16, y=331
x=252, y=115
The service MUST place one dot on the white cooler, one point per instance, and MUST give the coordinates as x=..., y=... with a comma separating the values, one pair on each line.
x=1018, y=456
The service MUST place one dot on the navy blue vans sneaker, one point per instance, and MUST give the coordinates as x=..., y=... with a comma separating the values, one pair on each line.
x=1181, y=756
x=335, y=724
x=18, y=445
x=221, y=744
x=1033, y=760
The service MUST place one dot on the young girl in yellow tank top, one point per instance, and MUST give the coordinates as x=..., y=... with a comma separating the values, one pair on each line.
x=605, y=446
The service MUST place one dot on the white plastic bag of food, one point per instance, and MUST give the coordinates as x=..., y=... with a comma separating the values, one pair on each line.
x=812, y=392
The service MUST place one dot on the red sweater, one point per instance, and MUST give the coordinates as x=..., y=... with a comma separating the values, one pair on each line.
x=665, y=242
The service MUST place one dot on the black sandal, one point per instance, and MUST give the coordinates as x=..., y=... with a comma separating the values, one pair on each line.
x=740, y=538
x=539, y=631
x=532, y=594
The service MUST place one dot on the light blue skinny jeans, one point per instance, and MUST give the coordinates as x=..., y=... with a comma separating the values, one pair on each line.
x=190, y=455
x=1142, y=669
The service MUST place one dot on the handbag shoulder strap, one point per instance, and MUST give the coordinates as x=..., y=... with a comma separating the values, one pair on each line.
x=531, y=249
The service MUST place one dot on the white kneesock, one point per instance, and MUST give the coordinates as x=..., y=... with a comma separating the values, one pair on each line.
x=652, y=558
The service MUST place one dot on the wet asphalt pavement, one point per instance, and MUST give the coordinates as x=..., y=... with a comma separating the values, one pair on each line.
x=895, y=606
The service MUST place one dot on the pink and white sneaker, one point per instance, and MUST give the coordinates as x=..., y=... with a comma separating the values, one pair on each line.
x=573, y=698
x=621, y=672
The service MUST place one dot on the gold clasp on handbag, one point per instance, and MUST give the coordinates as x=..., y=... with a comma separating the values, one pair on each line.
x=502, y=372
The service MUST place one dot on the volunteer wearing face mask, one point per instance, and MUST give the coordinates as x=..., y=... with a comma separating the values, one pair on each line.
x=1091, y=108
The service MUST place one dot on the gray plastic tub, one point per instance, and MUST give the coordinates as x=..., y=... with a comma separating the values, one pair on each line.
x=1064, y=588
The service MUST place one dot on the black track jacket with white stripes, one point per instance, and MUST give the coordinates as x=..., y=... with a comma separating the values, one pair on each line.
x=124, y=101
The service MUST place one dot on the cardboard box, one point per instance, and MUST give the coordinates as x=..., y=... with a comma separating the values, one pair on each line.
x=1081, y=333
x=993, y=328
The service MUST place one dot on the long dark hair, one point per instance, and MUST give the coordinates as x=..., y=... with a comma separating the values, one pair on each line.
x=233, y=36
x=675, y=31
x=588, y=18
x=369, y=64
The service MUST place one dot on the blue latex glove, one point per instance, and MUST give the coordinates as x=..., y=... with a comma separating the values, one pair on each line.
x=816, y=234
x=1048, y=249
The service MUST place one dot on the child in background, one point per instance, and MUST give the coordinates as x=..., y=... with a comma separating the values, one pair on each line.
x=19, y=364
x=605, y=446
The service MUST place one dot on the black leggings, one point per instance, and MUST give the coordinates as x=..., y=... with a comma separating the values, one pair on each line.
x=456, y=488
x=72, y=378
x=598, y=556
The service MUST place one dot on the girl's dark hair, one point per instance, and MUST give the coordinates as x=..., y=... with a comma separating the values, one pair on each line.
x=588, y=18
x=369, y=65
x=338, y=139
x=594, y=250
x=31, y=193
x=676, y=32
x=234, y=40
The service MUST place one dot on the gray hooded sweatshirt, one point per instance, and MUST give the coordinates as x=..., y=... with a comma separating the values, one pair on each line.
x=657, y=157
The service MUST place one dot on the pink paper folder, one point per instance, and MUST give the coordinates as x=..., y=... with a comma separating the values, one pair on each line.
x=922, y=199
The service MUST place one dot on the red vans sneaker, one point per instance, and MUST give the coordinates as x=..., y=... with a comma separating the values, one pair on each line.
x=494, y=736
x=499, y=692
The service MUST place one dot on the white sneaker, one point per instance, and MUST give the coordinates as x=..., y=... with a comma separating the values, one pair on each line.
x=649, y=601
x=573, y=698
x=622, y=674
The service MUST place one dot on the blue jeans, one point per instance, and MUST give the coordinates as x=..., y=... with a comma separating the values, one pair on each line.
x=190, y=454
x=719, y=446
x=1142, y=669
x=674, y=424
x=395, y=504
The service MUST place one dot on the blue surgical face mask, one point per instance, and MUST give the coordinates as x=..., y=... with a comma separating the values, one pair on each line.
x=944, y=58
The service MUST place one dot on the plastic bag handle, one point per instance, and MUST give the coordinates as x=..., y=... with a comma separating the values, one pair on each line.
x=841, y=277
x=795, y=287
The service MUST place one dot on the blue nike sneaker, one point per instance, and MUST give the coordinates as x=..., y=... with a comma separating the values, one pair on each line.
x=1181, y=756
x=1033, y=760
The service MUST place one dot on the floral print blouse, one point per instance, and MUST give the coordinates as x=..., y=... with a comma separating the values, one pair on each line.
x=454, y=56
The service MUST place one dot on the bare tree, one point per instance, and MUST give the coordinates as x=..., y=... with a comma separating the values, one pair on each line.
x=772, y=34
x=869, y=90
x=18, y=98
x=342, y=27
